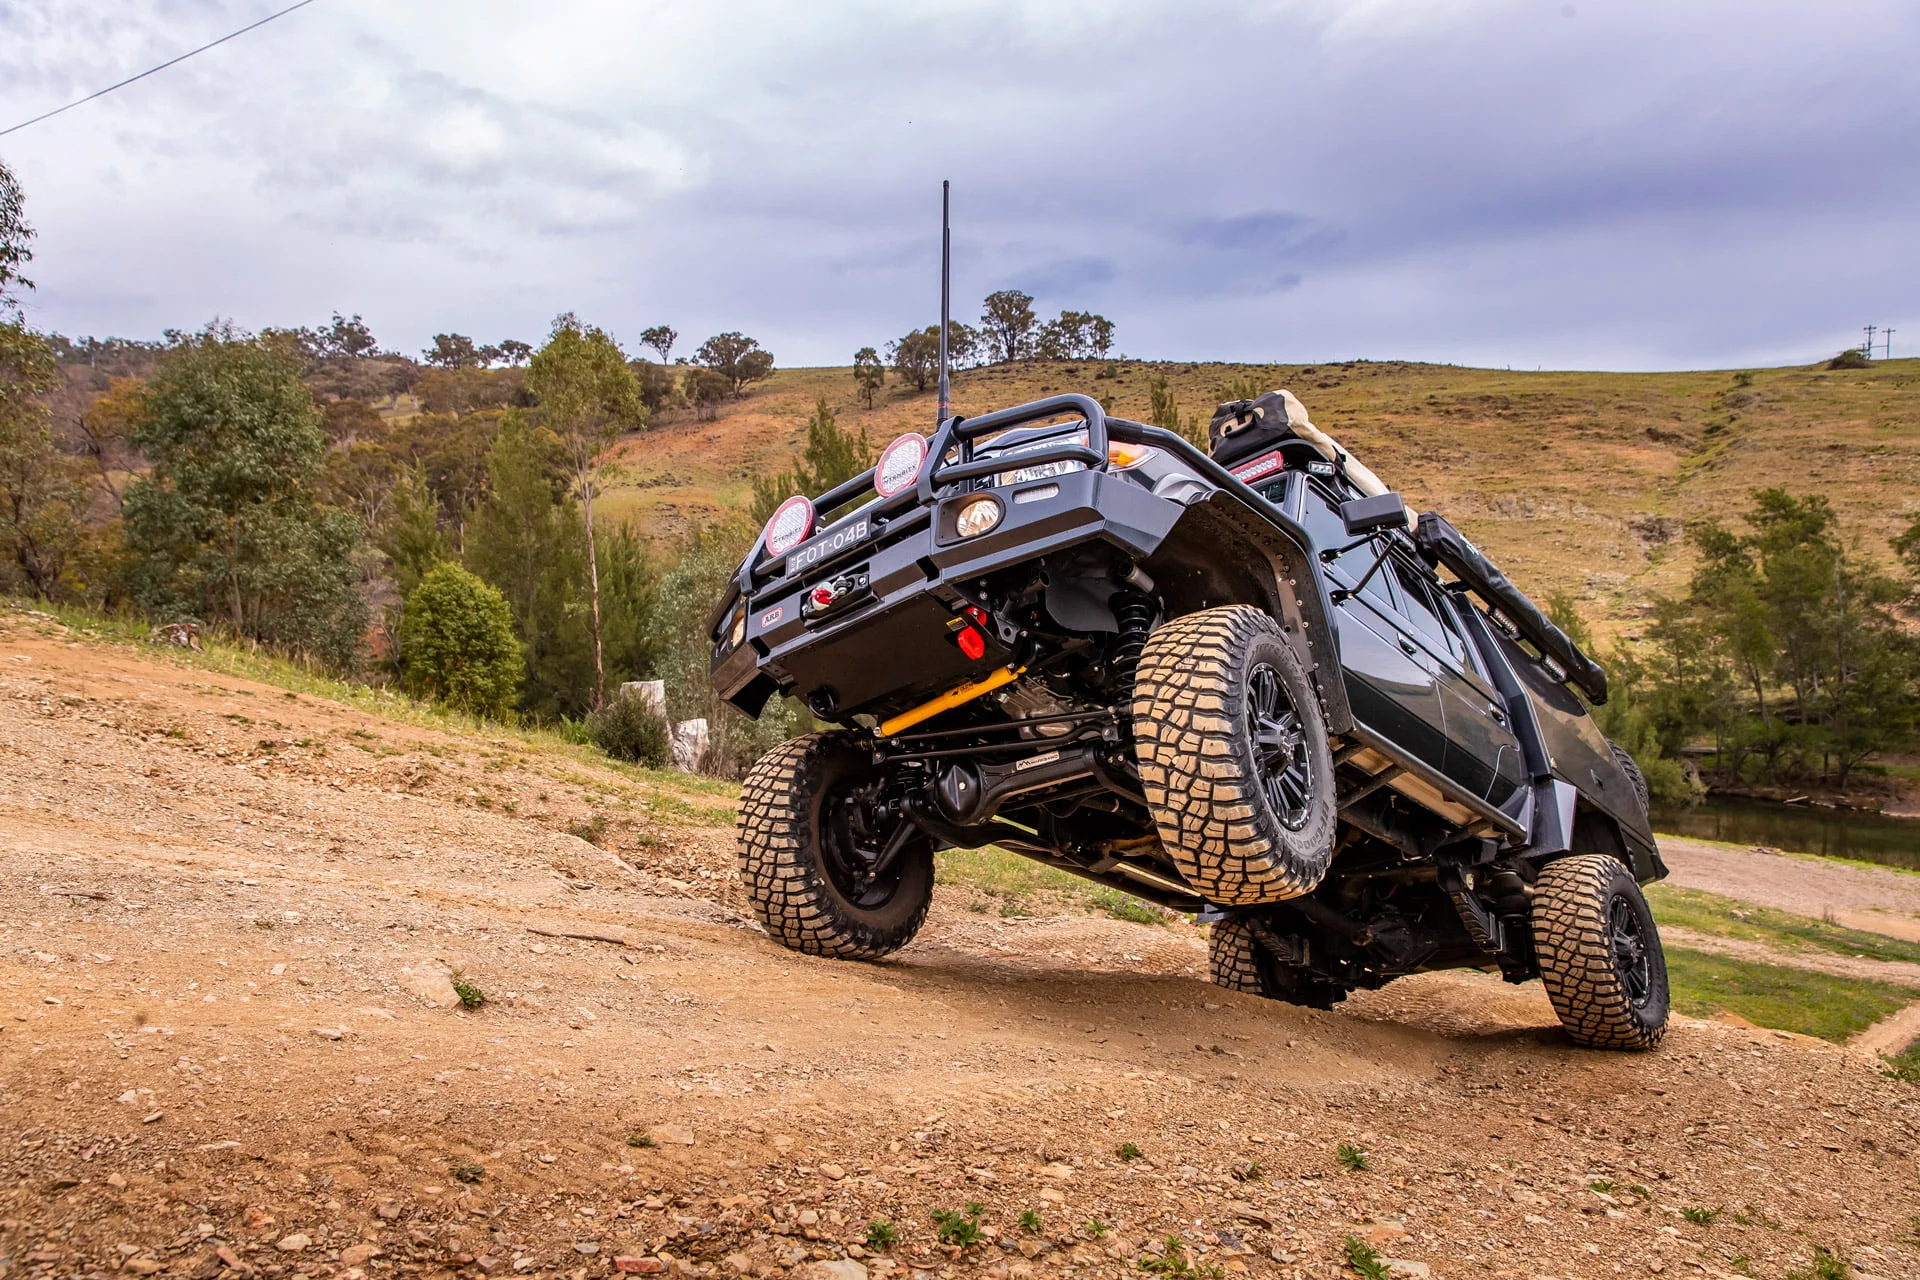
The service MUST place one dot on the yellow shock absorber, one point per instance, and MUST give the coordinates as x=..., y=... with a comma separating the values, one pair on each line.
x=950, y=699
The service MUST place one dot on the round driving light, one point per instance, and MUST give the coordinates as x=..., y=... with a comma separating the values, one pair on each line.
x=977, y=517
x=790, y=525
x=899, y=465
x=739, y=626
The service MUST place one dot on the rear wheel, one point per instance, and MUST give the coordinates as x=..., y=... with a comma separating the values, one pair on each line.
x=1600, y=954
x=1237, y=961
x=812, y=826
x=1233, y=757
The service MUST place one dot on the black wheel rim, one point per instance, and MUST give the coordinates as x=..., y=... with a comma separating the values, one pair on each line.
x=1280, y=747
x=853, y=832
x=1632, y=958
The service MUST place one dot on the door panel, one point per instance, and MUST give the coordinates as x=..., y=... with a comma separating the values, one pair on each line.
x=1483, y=756
x=1391, y=683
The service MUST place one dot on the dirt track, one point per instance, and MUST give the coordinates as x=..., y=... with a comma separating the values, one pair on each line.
x=218, y=903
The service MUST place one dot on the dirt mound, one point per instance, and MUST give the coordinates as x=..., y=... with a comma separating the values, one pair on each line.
x=233, y=920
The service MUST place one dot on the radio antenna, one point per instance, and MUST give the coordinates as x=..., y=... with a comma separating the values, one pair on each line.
x=946, y=279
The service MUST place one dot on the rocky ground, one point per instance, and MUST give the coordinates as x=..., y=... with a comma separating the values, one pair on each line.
x=233, y=919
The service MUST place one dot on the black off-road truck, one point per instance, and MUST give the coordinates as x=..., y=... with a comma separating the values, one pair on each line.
x=1236, y=685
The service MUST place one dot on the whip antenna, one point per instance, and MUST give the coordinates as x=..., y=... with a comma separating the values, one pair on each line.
x=946, y=277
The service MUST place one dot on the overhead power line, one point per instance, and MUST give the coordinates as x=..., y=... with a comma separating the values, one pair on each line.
x=300, y=4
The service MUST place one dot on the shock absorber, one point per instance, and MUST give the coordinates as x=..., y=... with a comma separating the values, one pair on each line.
x=1134, y=612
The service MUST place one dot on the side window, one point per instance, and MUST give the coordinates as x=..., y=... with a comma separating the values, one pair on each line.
x=1320, y=514
x=1427, y=614
x=1450, y=608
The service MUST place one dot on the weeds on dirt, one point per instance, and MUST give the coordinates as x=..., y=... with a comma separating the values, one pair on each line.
x=1128, y=1151
x=956, y=1228
x=1124, y=906
x=593, y=830
x=1742, y=1265
x=1364, y=1261
x=1250, y=1172
x=263, y=924
x=1174, y=1263
x=1701, y=1217
x=1030, y=1221
x=1352, y=1158
x=1098, y=1229
x=467, y=1173
x=1602, y=1185
x=881, y=1234
x=1826, y=1265
x=644, y=1141
x=471, y=997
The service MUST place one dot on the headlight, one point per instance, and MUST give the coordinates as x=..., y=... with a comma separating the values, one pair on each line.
x=976, y=517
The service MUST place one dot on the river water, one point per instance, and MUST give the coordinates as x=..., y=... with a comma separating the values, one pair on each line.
x=1840, y=833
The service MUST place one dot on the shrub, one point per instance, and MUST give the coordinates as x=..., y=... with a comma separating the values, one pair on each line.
x=457, y=643
x=1850, y=359
x=628, y=728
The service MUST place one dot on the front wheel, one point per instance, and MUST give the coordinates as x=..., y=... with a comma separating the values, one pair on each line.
x=1600, y=954
x=812, y=825
x=1233, y=757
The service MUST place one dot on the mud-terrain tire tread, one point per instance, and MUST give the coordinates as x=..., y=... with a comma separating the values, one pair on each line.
x=779, y=861
x=1570, y=939
x=1197, y=766
x=1233, y=957
x=1631, y=767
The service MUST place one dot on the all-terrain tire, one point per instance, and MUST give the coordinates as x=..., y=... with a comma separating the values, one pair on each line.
x=1631, y=767
x=1237, y=961
x=1200, y=763
x=1610, y=991
x=783, y=857
x=1233, y=957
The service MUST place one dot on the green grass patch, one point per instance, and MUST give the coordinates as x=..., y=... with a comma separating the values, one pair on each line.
x=1022, y=885
x=1731, y=918
x=671, y=808
x=994, y=871
x=1906, y=1066
x=1814, y=1004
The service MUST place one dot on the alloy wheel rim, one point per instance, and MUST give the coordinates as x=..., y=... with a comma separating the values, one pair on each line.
x=1280, y=747
x=1632, y=958
x=851, y=840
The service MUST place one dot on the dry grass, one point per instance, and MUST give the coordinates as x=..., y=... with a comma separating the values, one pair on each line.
x=1575, y=482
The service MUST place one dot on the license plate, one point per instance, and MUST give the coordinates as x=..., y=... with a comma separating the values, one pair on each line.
x=829, y=544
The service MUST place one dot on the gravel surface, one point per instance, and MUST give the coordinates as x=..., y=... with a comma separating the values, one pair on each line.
x=231, y=921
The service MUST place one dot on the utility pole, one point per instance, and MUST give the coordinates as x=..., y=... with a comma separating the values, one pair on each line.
x=1886, y=341
x=1868, y=349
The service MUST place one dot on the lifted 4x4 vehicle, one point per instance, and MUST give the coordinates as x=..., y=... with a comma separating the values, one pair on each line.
x=1234, y=685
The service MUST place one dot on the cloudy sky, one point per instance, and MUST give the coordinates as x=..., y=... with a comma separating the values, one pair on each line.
x=1595, y=184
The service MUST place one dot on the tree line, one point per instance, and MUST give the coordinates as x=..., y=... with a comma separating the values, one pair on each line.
x=1009, y=330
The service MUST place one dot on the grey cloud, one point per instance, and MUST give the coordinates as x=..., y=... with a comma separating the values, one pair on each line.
x=1286, y=179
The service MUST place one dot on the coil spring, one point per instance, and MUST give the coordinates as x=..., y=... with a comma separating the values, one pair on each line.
x=1134, y=612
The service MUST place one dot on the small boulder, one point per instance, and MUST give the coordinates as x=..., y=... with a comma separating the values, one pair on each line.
x=293, y=1243
x=841, y=1269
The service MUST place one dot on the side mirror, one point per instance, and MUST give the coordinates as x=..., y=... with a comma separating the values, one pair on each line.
x=1370, y=515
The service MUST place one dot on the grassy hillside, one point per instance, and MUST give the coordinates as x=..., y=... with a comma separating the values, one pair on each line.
x=1581, y=482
